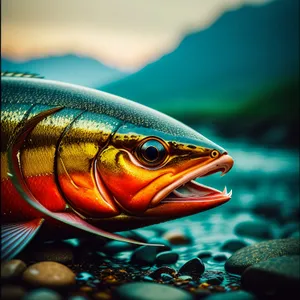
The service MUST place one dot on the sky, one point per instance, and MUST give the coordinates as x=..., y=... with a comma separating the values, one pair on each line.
x=125, y=34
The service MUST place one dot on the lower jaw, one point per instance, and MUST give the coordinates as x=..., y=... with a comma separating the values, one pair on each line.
x=184, y=207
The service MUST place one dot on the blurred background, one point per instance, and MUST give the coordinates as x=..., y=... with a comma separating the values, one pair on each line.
x=229, y=69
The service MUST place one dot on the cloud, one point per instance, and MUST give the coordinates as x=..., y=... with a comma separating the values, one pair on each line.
x=123, y=33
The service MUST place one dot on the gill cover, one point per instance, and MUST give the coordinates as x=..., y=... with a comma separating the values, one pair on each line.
x=139, y=163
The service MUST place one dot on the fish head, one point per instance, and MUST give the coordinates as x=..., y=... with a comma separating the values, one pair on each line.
x=151, y=173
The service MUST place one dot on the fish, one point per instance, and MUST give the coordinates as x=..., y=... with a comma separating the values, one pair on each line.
x=79, y=162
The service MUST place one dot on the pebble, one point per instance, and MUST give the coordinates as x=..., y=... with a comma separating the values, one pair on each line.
x=144, y=255
x=12, y=292
x=49, y=274
x=212, y=278
x=258, y=229
x=116, y=247
x=236, y=295
x=185, y=277
x=165, y=277
x=204, y=254
x=157, y=273
x=220, y=257
x=12, y=269
x=167, y=257
x=149, y=291
x=262, y=251
x=148, y=278
x=193, y=267
x=84, y=276
x=275, y=276
x=177, y=238
x=45, y=294
x=233, y=245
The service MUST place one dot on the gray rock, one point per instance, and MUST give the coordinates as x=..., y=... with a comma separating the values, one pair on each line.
x=262, y=251
x=45, y=294
x=213, y=278
x=144, y=255
x=113, y=247
x=275, y=276
x=157, y=273
x=193, y=267
x=204, y=254
x=220, y=257
x=12, y=292
x=49, y=274
x=166, y=277
x=12, y=269
x=149, y=291
x=233, y=245
x=259, y=229
x=167, y=257
x=237, y=295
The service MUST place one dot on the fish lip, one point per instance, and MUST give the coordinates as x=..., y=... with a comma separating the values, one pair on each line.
x=223, y=163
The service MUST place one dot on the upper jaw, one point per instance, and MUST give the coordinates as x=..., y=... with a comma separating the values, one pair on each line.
x=193, y=191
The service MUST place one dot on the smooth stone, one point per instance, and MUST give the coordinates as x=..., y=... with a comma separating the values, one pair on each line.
x=259, y=229
x=262, y=251
x=185, y=277
x=45, y=294
x=275, y=276
x=167, y=257
x=84, y=276
x=58, y=252
x=212, y=278
x=177, y=238
x=233, y=245
x=49, y=274
x=116, y=247
x=144, y=255
x=148, y=278
x=156, y=274
x=193, y=267
x=166, y=277
x=236, y=295
x=220, y=257
x=204, y=254
x=149, y=291
x=12, y=292
x=12, y=269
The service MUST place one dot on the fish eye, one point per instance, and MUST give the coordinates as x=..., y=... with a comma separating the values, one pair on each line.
x=152, y=152
x=214, y=153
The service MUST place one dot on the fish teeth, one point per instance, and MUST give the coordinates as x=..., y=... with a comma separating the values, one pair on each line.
x=230, y=193
x=225, y=191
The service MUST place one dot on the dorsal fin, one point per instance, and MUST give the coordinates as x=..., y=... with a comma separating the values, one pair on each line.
x=20, y=74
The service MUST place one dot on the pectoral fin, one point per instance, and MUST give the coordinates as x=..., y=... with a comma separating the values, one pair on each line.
x=15, y=236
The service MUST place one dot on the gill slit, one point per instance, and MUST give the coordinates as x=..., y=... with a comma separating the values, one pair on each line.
x=112, y=134
x=55, y=167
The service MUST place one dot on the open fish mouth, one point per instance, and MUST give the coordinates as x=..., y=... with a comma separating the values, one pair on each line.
x=186, y=189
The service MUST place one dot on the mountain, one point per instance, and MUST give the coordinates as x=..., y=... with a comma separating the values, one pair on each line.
x=68, y=68
x=243, y=54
